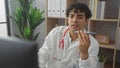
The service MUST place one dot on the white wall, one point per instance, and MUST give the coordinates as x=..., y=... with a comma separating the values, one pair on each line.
x=42, y=28
x=3, y=30
x=12, y=6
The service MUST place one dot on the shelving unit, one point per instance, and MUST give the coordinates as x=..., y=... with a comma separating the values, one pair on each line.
x=107, y=23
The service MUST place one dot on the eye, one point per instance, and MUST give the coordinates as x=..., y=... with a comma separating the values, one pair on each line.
x=71, y=16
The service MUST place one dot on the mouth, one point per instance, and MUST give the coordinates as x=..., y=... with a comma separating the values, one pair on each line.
x=74, y=25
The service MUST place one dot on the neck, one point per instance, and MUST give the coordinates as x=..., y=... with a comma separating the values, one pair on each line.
x=73, y=35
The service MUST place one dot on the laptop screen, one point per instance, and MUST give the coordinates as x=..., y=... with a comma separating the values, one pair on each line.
x=16, y=53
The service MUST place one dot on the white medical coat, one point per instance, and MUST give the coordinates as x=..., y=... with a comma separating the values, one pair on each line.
x=51, y=56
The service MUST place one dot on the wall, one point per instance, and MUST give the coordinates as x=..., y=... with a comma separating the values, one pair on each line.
x=42, y=28
x=12, y=6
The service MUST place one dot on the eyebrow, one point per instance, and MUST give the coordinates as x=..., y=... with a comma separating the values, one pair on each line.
x=77, y=14
x=80, y=15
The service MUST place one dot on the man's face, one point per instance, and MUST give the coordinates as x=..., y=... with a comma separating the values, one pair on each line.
x=76, y=21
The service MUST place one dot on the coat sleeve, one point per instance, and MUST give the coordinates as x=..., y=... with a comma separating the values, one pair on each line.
x=44, y=51
x=92, y=60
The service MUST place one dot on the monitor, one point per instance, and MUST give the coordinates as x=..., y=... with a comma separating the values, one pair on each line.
x=16, y=53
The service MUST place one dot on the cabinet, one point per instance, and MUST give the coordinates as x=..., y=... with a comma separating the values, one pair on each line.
x=105, y=21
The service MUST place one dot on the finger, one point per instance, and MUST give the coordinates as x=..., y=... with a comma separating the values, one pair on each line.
x=80, y=38
x=85, y=37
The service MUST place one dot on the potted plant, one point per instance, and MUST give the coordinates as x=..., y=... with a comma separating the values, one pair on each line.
x=102, y=59
x=27, y=18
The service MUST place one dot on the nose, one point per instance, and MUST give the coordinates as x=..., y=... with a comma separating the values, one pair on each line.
x=75, y=19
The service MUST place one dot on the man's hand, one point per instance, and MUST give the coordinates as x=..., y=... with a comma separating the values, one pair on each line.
x=84, y=43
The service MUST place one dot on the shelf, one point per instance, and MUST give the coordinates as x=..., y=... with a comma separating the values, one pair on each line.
x=109, y=46
x=58, y=17
x=105, y=20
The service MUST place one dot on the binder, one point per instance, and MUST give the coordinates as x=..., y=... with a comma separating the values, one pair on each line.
x=92, y=4
x=53, y=13
x=63, y=8
x=98, y=10
x=49, y=8
x=58, y=3
x=102, y=9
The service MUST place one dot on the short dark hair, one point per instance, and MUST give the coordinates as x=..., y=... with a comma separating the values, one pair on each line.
x=79, y=6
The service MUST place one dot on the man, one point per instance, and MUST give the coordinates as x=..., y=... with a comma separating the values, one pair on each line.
x=70, y=46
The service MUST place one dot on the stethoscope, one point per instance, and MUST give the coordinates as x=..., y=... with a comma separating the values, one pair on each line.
x=61, y=42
